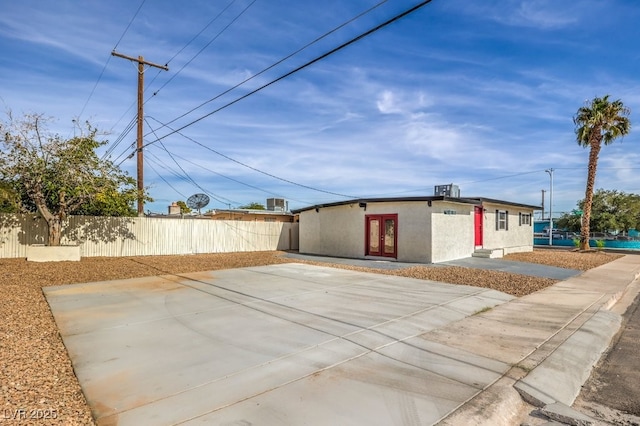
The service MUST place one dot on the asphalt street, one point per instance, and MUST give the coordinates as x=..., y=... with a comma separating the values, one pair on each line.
x=615, y=382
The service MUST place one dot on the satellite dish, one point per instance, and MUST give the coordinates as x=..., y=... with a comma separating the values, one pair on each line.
x=197, y=201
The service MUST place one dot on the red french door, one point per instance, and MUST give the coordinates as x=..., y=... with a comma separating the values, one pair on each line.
x=381, y=235
x=477, y=220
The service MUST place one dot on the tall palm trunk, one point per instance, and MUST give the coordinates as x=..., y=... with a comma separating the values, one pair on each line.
x=588, y=196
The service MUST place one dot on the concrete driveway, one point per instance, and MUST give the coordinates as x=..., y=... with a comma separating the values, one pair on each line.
x=273, y=345
x=522, y=268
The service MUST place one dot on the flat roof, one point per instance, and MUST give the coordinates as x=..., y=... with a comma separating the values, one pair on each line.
x=252, y=211
x=463, y=200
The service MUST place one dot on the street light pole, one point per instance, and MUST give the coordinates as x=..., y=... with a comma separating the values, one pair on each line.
x=550, y=171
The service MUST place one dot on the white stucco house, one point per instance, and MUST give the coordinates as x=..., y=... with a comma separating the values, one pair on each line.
x=426, y=229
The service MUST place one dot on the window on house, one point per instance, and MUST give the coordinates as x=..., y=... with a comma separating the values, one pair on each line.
x=525, y=219
x=502, y=220
x=269, y=219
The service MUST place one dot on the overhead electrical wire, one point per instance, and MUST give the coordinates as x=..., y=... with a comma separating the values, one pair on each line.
x=236, y=180
x=504, y=177
x=129, y=25
x=254, y=75
x=225, y=177
x=165, y=181
x=174, y=75
x=340, y=47
x=316, y=40
x=215, y=196
x=184, y=177
x=251, y=167
x=120, y=138
x=130, y=126
x=109, y=59
x=301, y=67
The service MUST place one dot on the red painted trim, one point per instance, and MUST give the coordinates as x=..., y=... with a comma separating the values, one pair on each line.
x=478, y=225
x=381, y=221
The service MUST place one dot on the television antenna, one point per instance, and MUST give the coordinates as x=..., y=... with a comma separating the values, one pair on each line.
x=197, y=201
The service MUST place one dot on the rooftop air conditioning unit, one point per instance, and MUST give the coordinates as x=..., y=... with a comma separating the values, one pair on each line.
x=450, y=190
x=276, y=204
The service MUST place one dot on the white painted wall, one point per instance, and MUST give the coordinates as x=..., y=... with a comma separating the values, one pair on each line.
x=425, y=234
x=340, y=230
x=334, y=231
x=517, y=238
x=453, y=234
x=414, y=230
x=144, y=236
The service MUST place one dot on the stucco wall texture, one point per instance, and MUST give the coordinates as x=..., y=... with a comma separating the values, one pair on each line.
x=425, y=234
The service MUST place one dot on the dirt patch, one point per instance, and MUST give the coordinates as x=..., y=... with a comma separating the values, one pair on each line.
x=37, y=382
x=569, y=259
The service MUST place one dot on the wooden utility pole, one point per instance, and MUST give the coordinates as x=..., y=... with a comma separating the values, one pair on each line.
x=141, y=63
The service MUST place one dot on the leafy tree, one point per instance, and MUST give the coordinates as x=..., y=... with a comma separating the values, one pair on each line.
x=9, y=202
x=253, y=206
x=112, y=202
x=569, y=221
x=56, y=177
x=610, y=210
x=184, y=209
x=599, y=121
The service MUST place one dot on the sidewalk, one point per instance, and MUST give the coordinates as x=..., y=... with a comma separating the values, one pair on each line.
x=551, y=339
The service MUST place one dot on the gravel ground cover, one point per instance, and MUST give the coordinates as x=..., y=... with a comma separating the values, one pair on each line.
x=37, y=382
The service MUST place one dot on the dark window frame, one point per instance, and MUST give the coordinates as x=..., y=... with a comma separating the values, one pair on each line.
x=502, y=223
x=524, y=219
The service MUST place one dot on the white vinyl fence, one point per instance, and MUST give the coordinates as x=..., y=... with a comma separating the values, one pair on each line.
x=144, y=236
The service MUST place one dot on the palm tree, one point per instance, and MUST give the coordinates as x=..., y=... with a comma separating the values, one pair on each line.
x=598, y=121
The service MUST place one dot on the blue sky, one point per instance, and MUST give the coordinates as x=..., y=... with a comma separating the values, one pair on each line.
x=476, y=93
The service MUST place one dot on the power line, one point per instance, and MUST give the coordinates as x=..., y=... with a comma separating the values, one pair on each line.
x=226, y=177
x=109, y=59
x=250, y=167
x=238, y=181
x=206, y=45
x=120, y=138
x=124, y=152
x=185, y=177
x=216, y=197
x=129, y=25
x=332, y=51
x=164, y=180
x=504, y=177
x=301, y=67
x=128, y=129
x=316, y=40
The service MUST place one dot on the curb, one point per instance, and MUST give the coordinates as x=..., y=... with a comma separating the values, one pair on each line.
x=560, y=376
x=553, y=384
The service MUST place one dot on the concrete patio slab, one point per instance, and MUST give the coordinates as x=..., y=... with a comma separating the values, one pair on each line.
x=274, y=342
x=302, y=344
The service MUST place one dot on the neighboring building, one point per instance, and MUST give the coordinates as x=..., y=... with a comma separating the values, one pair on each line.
x=277, y=211
x=416, y=229
x=251, y=215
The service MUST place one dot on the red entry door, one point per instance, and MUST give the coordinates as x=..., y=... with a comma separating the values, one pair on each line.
x=477, y=220
x=381, y=235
